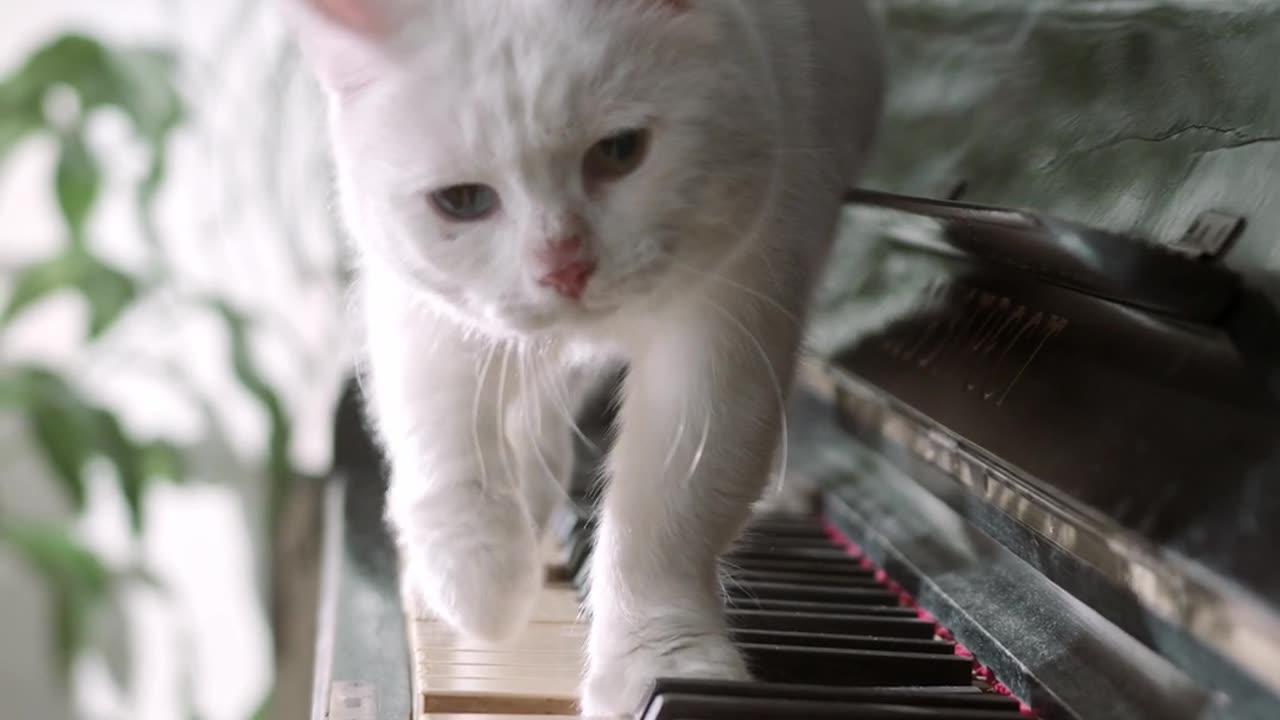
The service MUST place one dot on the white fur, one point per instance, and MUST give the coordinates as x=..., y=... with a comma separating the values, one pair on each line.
x=761, y=114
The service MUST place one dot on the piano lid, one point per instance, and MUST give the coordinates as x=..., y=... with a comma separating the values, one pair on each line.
x=1057, y=304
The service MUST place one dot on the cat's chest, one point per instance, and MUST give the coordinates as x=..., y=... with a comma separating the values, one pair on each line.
x=590, y=353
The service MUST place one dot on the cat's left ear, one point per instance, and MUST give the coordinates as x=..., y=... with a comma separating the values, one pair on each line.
x=344, y=41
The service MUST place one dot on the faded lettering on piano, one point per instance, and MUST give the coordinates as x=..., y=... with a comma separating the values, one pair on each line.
x=985, y=340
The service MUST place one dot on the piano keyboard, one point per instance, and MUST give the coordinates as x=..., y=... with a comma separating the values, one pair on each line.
x=535, y=675
x=826, y=634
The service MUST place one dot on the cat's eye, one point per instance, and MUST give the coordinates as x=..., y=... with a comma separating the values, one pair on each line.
x=616, y=155
x=465, y=203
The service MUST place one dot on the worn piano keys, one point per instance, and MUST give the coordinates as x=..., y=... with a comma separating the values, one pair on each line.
x=825, y=634
x=535, y=675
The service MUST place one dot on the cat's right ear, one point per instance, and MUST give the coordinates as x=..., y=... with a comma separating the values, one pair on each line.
x=344, y=41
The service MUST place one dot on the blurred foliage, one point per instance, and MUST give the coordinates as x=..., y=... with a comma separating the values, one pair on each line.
x=53, y=95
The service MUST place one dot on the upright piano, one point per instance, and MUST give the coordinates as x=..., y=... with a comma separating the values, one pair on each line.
x=1036, y=436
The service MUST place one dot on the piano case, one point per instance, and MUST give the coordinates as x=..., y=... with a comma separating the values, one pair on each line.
x=1043, y=391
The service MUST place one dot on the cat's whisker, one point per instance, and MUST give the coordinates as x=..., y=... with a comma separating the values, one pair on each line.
x=561, y=397
x=727, y=580
x=702, y=446
x=675, y=442
x=526, y=400
x=777, y=388
x=475, y=416
x=504, y=445
x=529, y=369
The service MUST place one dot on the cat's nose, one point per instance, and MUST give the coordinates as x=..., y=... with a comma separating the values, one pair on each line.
x=569, y=266
x=570, y=279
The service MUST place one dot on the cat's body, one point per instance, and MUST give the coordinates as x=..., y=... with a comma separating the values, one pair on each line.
x=649, y=182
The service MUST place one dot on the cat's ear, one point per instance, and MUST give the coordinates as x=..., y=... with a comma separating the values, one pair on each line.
x=344, y=41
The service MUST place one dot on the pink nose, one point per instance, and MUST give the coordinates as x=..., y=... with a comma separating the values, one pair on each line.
x=571, y=278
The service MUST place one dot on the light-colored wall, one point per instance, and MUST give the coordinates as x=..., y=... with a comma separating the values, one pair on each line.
x=203, y=539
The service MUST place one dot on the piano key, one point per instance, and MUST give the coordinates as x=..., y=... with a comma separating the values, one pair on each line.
x=501, y=716
x=957, y=696
x=513, y=697
x=778, y=576
x=831, y=554
x=843, y=567
x=746, y=603
x=812, y=593
x=805, y=613
x=769, y=542
x=876, y=625
x=709, y=707
x=838, y=666
x=786, y=527
x=579, y=552
x=847, y=642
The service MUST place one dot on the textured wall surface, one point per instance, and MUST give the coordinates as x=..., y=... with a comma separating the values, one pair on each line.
x=1129, y=116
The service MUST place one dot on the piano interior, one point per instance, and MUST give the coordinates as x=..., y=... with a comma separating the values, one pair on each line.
x=1034, y=447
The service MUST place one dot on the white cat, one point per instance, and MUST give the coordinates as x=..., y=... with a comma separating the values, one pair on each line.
x=538, y=189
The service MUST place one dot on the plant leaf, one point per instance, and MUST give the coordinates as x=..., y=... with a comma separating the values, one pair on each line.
x=70, y=431
x=33, y=283
x=137, y=80
x=59, y=422
x=65, y=440
x=127, y=457
x=145, y=90
x=280, y=469
x=162, y=461
x=78, y=580
x=16, y=123
x=109, y=293
x=76, y=182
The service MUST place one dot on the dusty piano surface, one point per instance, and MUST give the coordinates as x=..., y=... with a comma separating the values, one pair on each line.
x=1049, y=413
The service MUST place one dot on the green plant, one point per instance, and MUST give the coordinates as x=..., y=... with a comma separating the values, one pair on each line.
x=54, y=95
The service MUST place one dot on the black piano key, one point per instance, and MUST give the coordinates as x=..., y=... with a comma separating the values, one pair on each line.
x=787, y=526
x=876, y=625
x=771, y=546
x=830, y=554
x=957, y=696
x=838, y=666
x=845, y=642
x=799, y=578
x=746, y=603
x=580, y=551
x=674, y=706
x=819, y=632
x=755, y=537
x=843, y=567
x=812, y=593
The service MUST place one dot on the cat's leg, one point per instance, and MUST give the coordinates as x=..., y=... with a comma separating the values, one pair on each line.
x=456, y=508
x=700, y=421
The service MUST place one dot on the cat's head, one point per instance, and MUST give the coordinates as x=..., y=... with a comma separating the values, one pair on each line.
x=542, y=165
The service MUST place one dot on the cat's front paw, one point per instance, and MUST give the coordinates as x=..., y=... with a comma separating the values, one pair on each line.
x=618, y=682
x=479, y=570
